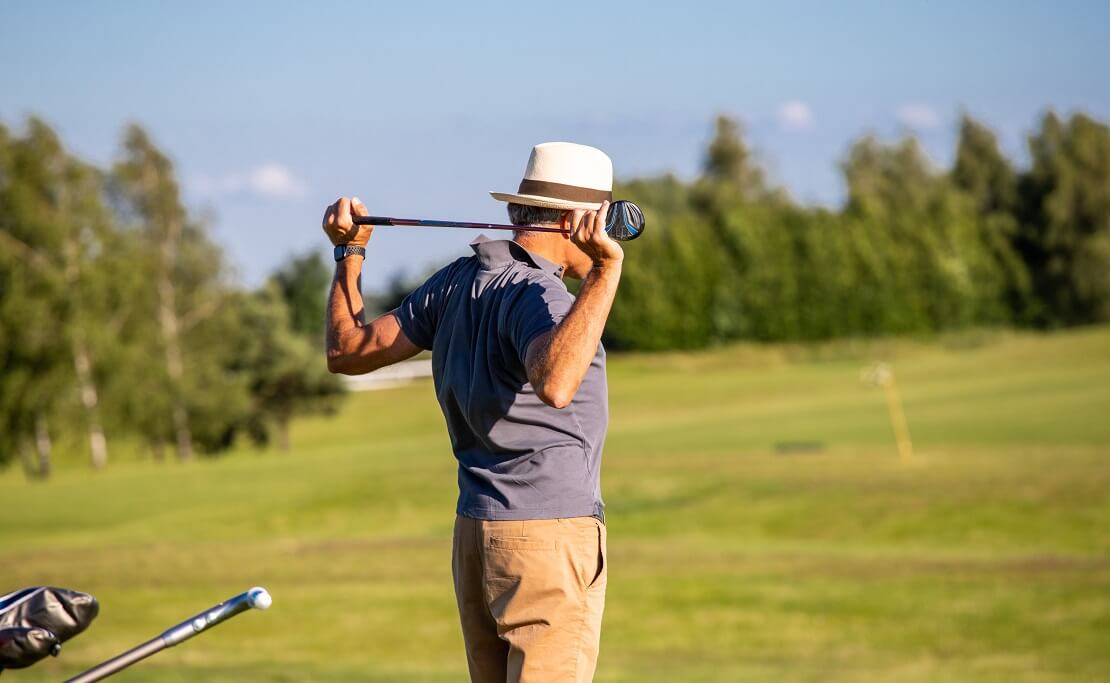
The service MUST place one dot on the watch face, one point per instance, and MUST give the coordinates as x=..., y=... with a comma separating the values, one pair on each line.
x=339, y=252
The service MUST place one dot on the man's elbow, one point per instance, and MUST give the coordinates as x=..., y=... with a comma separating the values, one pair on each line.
x=556, y=397
x=339, y=364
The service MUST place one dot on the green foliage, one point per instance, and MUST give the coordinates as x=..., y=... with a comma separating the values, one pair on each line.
x=730, y=164
x=990, y=183
x=1065, y=220
x=116, y=316
x=940, y=273
x=303, y=283
x=285, y=374
x=669, y=303
x=34, y=348
x=915, y=249
x=982, y=171
x=184, y=293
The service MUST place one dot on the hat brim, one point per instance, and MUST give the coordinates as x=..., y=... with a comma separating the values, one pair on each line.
x=543, y=202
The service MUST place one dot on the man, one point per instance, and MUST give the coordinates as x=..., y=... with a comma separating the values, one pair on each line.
x=520, y=375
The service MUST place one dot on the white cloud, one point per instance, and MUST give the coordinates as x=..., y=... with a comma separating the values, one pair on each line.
x=918, y=115
x=270, y=180
x=275, y=180
x=795, y=115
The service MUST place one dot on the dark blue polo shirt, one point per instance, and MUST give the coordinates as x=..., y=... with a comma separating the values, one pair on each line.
x=518, y=457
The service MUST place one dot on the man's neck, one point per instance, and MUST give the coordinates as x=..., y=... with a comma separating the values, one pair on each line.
x=548, y=245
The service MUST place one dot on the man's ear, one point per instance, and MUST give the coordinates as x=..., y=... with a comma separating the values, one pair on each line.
x=565, y=222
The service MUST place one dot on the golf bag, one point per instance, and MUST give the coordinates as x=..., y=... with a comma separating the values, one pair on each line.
x=34, y=622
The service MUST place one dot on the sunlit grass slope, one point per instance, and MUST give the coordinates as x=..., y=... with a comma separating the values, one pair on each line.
x=986, y=558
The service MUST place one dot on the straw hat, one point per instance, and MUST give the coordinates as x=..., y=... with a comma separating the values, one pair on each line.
x=563, y=175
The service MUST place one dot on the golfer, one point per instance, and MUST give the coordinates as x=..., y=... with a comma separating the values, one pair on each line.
x=520, y=375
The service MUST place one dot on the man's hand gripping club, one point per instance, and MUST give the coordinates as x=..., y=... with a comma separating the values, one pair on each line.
x=587, y=231
x=339, y=226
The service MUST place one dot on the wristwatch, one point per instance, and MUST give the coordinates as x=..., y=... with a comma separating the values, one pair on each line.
x=342, y=251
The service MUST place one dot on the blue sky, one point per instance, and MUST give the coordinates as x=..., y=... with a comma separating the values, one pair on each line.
x=271, y=110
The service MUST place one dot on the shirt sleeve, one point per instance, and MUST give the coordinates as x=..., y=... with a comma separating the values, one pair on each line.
x=538, y=310
x=420, y=311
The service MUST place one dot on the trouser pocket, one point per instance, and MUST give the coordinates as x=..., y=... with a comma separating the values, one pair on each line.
x=601, y=568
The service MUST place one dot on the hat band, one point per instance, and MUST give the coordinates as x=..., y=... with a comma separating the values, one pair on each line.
x=570, y=193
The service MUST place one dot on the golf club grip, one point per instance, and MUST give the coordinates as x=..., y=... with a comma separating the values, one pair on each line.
x=210, y=617
x=372, y=220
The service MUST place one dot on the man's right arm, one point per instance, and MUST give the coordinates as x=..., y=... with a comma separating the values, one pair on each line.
x=353, y=346
x=557, y=361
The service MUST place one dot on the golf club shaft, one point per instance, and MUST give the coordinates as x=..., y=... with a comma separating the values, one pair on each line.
x=121, y=661
x=415, y=222
x=255, y=597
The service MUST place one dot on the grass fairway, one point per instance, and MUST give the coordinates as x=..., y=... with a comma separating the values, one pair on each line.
x=987, y=558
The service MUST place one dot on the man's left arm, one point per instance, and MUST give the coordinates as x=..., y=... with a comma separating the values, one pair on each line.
x=353, y=346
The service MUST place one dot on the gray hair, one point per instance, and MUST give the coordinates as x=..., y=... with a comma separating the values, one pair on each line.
x=522, y=214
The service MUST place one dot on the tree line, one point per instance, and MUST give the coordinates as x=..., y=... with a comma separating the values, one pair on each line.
x=913, y=249
x=118, y=319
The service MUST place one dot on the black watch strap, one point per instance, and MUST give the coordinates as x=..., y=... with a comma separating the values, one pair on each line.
x=342, y=251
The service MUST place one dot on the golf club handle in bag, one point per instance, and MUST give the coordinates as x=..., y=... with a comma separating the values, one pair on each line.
x=254, y=598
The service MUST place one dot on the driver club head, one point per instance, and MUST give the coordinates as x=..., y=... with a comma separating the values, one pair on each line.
x=625, y=221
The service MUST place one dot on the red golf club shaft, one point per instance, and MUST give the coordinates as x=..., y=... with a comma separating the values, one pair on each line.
x=417, y=222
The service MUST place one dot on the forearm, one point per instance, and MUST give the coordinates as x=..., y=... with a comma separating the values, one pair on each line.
x=558, y=368
x=346, y=312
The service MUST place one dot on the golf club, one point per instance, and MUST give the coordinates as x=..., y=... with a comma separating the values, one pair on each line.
x=624, y=223
x=256, y=597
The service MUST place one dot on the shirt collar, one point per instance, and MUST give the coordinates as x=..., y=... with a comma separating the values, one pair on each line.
x=494, y=254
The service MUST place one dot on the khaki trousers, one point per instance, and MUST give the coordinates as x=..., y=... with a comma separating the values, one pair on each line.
x=530, y=597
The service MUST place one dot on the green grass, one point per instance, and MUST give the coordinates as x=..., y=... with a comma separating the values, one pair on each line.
x=986, y=558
